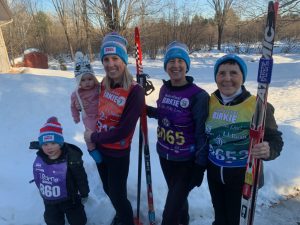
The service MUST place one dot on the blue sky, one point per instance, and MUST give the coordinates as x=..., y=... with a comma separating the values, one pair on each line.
x=200, y=7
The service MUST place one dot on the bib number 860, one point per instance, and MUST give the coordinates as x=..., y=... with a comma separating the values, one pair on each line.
x=50, y=191
x=170, y=136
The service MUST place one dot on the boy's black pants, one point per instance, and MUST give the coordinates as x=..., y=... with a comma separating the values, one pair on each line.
x=55, y=213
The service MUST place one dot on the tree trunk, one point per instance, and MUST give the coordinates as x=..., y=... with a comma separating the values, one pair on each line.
x=87, y=29
x=220, y=33
x=69, y=43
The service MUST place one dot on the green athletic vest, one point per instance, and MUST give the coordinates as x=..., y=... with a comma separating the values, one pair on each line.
x=228, y=131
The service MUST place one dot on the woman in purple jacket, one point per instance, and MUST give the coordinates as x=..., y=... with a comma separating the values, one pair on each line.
x=182, y=108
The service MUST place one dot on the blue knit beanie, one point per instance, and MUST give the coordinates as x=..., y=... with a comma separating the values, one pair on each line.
x=177, y=50
x=114, y=44
x=235, y=58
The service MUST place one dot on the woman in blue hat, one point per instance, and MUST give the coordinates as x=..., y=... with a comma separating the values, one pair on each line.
x=182, y=108
x=121, y=101
x=231, y=108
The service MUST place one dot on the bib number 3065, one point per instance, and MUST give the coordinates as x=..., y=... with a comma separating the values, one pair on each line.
x=50, y=191
x=170, y=136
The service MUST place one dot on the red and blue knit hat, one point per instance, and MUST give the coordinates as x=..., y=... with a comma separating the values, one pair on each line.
x=51, y=132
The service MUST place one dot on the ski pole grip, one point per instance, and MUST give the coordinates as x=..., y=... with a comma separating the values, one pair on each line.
x=146, y=84
x=265, y=70
x=149, y=87
x=141, y=79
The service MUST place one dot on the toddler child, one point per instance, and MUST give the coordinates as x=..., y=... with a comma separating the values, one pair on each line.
x=60, y=176
x=85, y=99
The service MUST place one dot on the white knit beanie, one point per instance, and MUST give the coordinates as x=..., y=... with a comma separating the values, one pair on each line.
x=82, y=66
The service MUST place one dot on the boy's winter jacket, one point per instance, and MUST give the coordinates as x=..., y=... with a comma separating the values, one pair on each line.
x=76, y=177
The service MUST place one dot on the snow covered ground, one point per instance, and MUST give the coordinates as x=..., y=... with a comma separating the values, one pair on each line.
x=28, y=99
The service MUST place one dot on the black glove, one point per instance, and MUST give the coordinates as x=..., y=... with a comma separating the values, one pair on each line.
x=197, y=176
x=34, y=145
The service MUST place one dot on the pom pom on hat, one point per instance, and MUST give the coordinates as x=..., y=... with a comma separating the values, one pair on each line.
x=114, y=44
x=51, y=132
x=231, y=57
x=82, y=66
x=177, y=50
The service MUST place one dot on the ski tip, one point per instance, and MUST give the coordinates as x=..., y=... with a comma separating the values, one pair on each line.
x=137, y=34
x=276, y=6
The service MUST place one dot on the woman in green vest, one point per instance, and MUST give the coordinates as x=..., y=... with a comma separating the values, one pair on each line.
x=228, y=125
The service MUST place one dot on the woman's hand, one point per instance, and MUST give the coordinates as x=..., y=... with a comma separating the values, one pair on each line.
x=261, y=150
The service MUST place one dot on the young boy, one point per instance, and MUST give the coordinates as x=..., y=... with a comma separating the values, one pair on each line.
x=60, y=176
x=85, y=99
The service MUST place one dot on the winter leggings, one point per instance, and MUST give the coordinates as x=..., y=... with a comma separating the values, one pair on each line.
x=178, y=176
x=55, y=213
x=226, y=195
x=114, y=172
